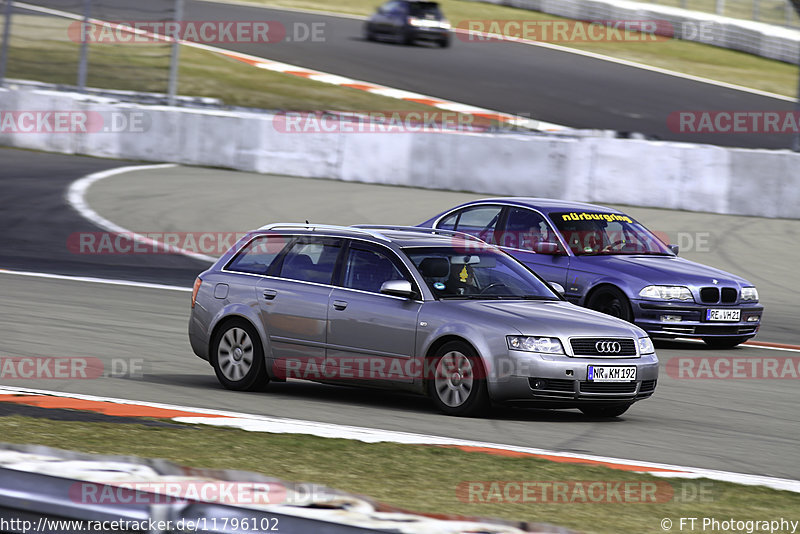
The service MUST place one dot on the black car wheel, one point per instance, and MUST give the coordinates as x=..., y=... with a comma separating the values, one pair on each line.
x=458, y=385
x=611, y=301
x=238, y=358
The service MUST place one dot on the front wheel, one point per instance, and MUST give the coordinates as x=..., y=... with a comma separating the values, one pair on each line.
x=611, y=301
x=458, y=386
x=727, y=342
x=605, y=411
x=238, y=358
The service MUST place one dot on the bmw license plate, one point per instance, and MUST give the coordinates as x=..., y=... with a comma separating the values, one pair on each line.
x=723, y=315
x=611, y=373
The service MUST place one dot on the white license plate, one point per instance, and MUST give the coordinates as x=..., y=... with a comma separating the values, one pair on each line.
x=611, y=373
x=723, y=315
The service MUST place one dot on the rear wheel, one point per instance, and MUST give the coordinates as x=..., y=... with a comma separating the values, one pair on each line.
x=605, y=411
x=444, y=43
x=727, y=342
x=458, y=385
x=238, y=358
x=611, y=301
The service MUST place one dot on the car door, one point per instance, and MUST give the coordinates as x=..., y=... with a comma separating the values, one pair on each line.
x=528, y=237
x=293, y=303
x=371, y=336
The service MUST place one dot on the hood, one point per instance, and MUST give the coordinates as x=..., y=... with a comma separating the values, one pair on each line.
x=546, y=318
x=663, y=270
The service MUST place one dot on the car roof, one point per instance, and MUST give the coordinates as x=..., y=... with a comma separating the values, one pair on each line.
x=403, y=236
x=545, y=205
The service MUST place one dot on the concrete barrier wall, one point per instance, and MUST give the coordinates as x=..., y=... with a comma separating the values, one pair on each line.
x=759, y=38
x=604, y=170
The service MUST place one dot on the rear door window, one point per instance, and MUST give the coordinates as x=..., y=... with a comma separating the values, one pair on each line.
x=311, y=259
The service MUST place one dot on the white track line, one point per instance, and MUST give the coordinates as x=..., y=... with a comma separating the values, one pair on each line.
x=93, y=280
x=260, y=423
x=76, y=197
x=551, y=46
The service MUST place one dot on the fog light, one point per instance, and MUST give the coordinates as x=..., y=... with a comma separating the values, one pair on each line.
x=539, y=384
x=670, y=318
x=753, y=319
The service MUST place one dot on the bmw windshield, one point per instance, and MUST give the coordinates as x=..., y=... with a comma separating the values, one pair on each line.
x=597, y=233
x=477, y=272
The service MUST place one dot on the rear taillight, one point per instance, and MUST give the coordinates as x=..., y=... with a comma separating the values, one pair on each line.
x=195, y=289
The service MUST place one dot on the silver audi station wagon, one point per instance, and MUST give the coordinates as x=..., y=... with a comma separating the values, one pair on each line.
x=436, y=312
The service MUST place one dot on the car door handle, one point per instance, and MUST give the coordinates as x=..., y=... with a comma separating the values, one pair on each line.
x=339, y=304
x=270, y=294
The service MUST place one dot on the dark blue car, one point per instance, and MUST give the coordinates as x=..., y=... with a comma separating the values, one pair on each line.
x=607, y=261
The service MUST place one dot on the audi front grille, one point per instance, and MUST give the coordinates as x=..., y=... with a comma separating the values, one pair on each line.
x=603, y=347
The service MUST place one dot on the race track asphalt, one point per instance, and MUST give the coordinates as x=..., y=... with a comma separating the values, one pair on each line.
x=546, y=84
x=746, y=426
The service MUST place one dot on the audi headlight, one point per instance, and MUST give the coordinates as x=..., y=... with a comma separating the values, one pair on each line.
x=545, y=345
x=750, y=294
x=666, y=293
x=646, y=346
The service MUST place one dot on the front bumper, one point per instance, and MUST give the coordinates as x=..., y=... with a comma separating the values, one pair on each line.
x=649, y=316
x=428, y=34
x=565, y=380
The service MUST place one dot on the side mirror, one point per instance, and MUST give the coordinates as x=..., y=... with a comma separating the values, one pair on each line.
x=674, y=249
x=549, y=248
x=398, y=288
x=558, y=287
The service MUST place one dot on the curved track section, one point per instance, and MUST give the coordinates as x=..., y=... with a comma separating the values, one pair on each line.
x=748, y=426
x=547, y=84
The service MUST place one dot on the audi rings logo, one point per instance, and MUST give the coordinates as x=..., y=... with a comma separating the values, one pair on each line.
x=608, y=347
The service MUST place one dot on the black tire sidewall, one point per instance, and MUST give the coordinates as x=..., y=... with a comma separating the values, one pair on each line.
x=611, y=292
x=478, y=401
x=256, y=377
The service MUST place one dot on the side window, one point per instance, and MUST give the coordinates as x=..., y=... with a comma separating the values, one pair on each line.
x=368, y=269
x=527, y=230
x=480, y=221
x=449, y=222
x=257, y=256
x=311, y=260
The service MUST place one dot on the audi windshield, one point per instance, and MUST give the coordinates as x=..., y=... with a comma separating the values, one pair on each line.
x=477, y=272
x=597, y=233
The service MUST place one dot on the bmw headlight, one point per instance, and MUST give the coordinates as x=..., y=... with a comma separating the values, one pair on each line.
x=646, y=345
x=666, y=293
x=750, y=294
x=545, y=345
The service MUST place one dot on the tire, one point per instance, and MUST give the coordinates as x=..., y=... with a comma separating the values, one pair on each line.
x=444, y=43
x=238, y=357
x=368, y=34
x=605, y=411
x=407, y=38
x=611, y=301
x=458, y=386
x=727, y=342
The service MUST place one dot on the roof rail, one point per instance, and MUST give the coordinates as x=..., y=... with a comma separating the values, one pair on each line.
x=310, y=226
x=421, y=229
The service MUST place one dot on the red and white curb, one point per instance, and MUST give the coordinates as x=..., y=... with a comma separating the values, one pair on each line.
x=324, y=77
x=278, y=425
